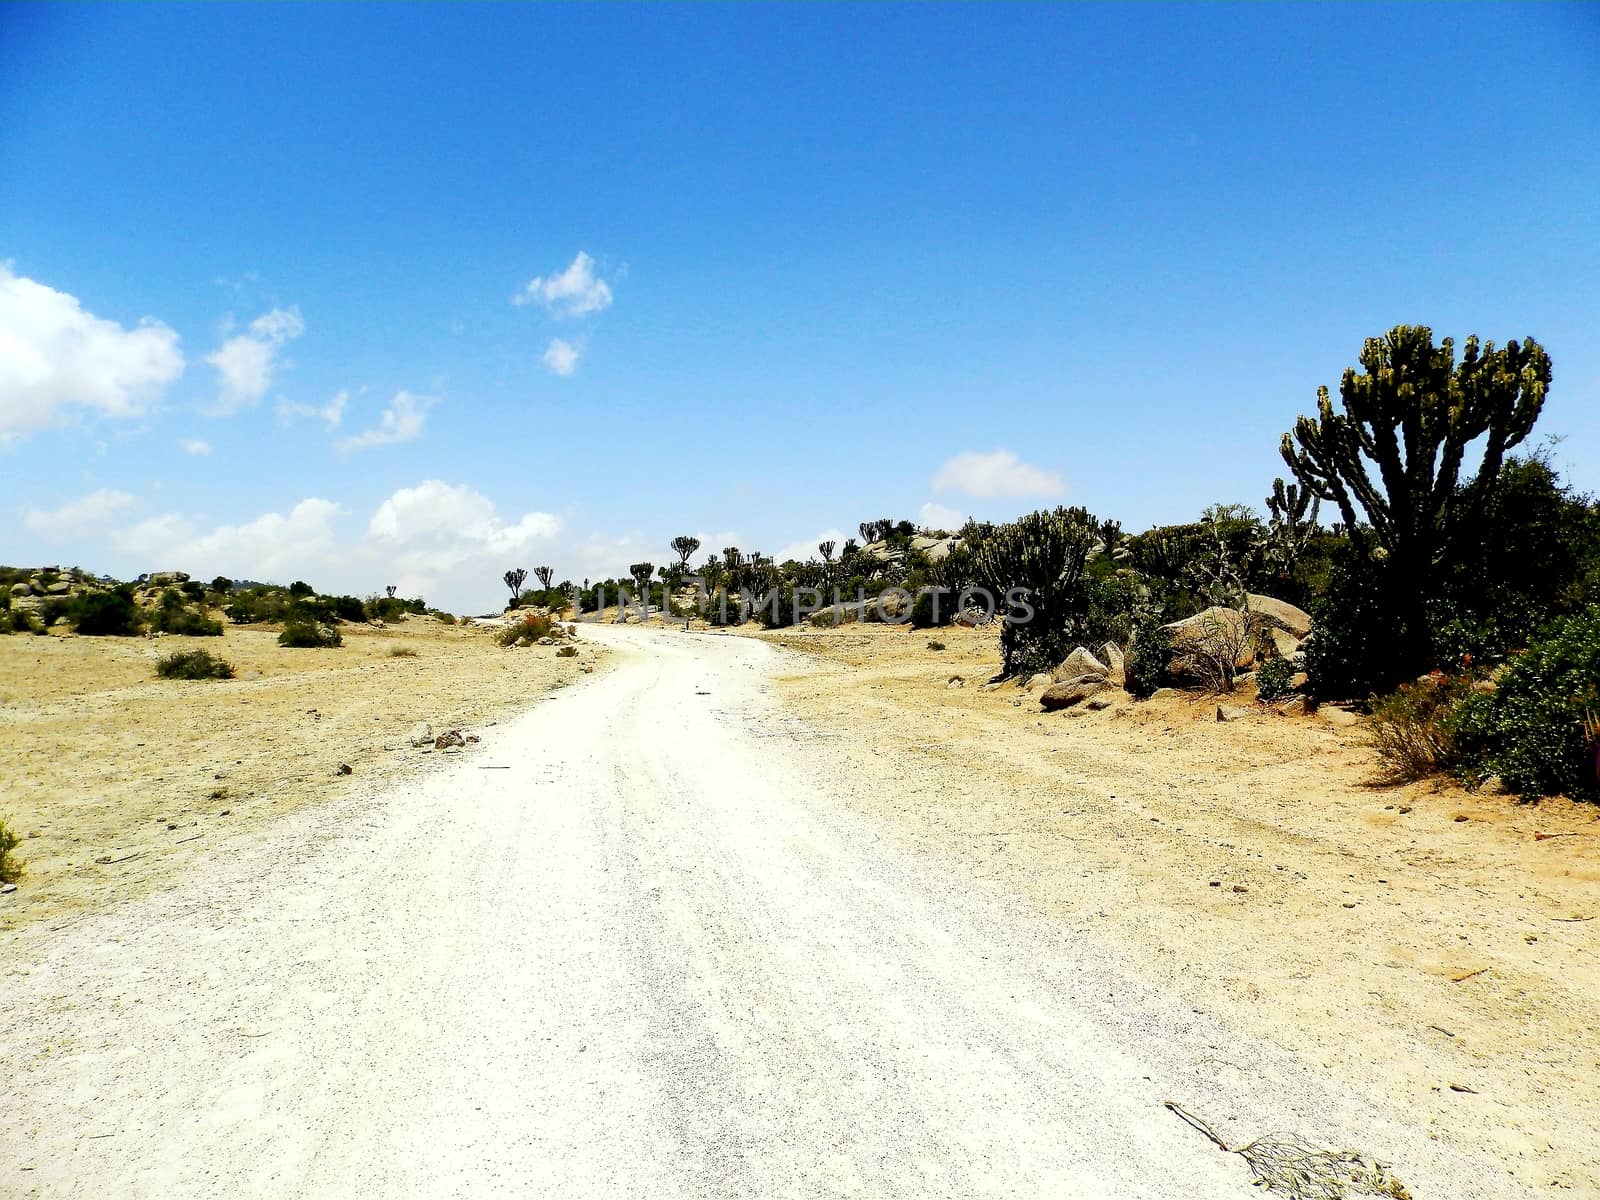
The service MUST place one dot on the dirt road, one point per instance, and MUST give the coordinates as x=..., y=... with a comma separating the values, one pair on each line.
x=636, y=944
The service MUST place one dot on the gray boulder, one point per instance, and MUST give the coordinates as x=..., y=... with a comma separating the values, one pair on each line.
x=1080, y=662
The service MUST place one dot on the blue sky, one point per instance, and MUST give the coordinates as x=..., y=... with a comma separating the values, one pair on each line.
x=587, y=278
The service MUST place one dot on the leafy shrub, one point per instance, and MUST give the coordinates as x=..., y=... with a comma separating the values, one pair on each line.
x=567, y=652
x=16, y=620
x=1355, y=649
x=930, y=611
x=306, y=635
x=171, y=616
x=445, y=618
x=105, y=614
x=1531, y=729
x=532, y=626
x=193, y=664
x=935, y=645
x=1145, y=664
x=1272, y=679
x=10, y=868
x=348, y=608
x=1414, y=728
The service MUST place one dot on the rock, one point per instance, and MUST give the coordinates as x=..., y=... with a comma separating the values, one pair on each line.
x=1284, y=642
x=1042, y=679
x=161, y=579
x=1299, y=680
x=1340, y=717
x=1071, y=691
x=1103, y=701
x=1116, y=665
x=421, y=734
x=1229, y=713
x=449, y=740
x=59, y=588
x=345, y=769
x=955, y=681
x=1080, y=662
x=1280, y=614
x=21, y=588
x=995, y=686
x=1216, y=622
x=547, y=641
x=973, y=617
x=7, y=888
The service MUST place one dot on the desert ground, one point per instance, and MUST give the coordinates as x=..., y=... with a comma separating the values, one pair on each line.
x=1433, y=946
x=116, y=779
x=799, y=918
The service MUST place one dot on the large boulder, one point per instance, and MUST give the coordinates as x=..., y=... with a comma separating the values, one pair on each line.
x=22, y=588
x=1080, y=662
x=1215, y=624
x=1071, y=691
x=1279, y=614
x=1285, y=643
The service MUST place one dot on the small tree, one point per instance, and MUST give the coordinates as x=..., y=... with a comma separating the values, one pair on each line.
x=1410, y=415
x=826, y=550
x=514, y=579
x=391, y=589
x=683, y=547
x=1291, y=525
x=1044, y=552
x=544, y=575
x=641, y=572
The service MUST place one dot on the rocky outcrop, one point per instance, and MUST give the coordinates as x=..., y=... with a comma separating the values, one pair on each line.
x=1080, y=662
x=1216, y=628
x=1070, y=692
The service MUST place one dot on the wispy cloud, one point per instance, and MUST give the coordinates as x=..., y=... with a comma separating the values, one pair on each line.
x=562, y=357
x=196, y=446
x=1001, y=473
x=86, y=515
x=330, y=414
x=246, y=362
x=402, y=421
x=575, y=292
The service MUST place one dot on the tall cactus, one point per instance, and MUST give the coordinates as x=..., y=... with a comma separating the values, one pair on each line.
x=1412, y=413
x=683, y=547
x=1292, y=522
x=544, y=575
x=514, y=579
x=1045, y=552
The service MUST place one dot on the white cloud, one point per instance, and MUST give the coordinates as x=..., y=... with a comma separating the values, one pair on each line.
x=402, y=421
x=576, y=292
x=55, y=356
x=194, y=445
x=1001, y=473
x=807, y=547
x=437, y=527
x=330, y=414
x=938, y=516
x=562, y=357
x=86, y=515
x=246, y=362
x=274, y=545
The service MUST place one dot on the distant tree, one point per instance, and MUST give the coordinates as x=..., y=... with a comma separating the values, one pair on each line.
x=683, y=547
x=1111, y=536
x=544, y=575
x=222, y=584
x=826, y=550
x=514, y=580
x=1291, y=524
x=1411, y=413
x=391, y=589
x=300, y=588
x=641, y=572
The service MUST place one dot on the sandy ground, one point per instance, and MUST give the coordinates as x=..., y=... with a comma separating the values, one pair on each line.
x=657, y=940
x=1433, y=950
x=116, y=779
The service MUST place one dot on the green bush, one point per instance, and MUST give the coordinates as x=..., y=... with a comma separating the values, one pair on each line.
x=1145, y=664
x=105, y=614
x=567, y=652
x=310, y=636
x=936, y=645
x=531, y=626
x=929, y=611
x=1413, y=729
x=1272, y=679
x=193, y=664
x=1530, y=730
x=10, y=868
x=14, y=620
x=1355, y=649
x=171, y=616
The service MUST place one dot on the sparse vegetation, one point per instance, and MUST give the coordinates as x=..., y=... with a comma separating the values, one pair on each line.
x=402, y=652
x=10, y=865
x=936, y=645
x=1274, y=679
x=567, y=652
x=193, y=664
x=106, y=614
x=530, y=627
x=309, y=635
x=1413, y=729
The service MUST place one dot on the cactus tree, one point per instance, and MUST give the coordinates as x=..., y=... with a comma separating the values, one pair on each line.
x=1394, y=455
x=683, y=547
x=1044, y=552
x=544, y=575
x=514, y=580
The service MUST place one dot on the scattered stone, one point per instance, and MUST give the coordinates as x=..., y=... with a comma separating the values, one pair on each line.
x=995, y=686
x=1240, y=888
x=449, y=740
x=421, y=734
x=955, y=681
x=1042, y=679
x=1070, y=692
x=1100, y=702
x=1116, y=668
x=1462, y=817
x=345, y=769
x=7, y=888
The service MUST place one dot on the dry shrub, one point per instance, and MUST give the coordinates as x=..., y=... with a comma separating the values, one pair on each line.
x=531, y=626
x=1414, y=728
